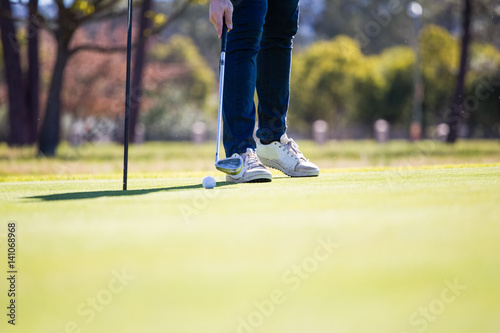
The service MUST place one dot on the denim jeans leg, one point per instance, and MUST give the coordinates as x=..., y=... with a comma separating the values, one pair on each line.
x=243, y=45
x=273, y=67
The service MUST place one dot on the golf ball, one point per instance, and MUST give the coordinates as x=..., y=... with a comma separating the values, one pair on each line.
x=209, y=182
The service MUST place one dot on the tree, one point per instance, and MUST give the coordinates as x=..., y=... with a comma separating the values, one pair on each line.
x=374, y=24
x=33, y=77
x=440, y=57
x=383, y=87
x=18, y=117
x=454, y=119
x=449, y=14
x=321, y=86
x=68, y=21
x=94, y=81
x=482, y=90
x=181, y=98
x=182, y=53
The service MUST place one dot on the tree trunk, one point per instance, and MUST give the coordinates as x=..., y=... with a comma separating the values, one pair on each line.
x=139, y=62
x=49, y=133
x=18, y=120
x=33, y=81
x=454, y=120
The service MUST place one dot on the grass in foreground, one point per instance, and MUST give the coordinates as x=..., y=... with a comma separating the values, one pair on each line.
x=251, y=257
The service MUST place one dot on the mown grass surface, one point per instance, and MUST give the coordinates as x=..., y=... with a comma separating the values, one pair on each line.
x=182, y=158
x=208, y=260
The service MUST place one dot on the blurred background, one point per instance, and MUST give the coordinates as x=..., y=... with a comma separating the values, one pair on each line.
x=364, y=69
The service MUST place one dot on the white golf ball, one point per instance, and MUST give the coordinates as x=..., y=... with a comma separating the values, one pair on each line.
x=209, y=182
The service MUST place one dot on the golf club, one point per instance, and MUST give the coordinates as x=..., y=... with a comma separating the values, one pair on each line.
x=127, y=96
x=231, y=165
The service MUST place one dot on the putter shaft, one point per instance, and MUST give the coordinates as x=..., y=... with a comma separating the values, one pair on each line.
x=222, y=67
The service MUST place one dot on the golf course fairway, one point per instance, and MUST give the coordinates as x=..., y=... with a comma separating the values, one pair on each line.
x=373, y=250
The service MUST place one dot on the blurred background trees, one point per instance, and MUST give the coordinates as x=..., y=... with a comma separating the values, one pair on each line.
x=353, y=63
x=336, y=82
x=181, y=99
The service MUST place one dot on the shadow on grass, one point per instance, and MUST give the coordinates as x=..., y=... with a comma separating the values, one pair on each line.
x=117, y=193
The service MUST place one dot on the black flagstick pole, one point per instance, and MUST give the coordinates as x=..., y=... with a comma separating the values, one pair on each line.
x=127, y=96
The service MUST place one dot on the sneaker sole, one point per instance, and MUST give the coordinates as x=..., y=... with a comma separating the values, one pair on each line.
x=251, y=179
x=271, y=164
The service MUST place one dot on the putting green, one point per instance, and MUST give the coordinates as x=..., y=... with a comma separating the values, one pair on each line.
x=378, y=250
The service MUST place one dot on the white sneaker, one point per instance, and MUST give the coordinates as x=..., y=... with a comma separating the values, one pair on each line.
x=253, y=171
x=285, y=156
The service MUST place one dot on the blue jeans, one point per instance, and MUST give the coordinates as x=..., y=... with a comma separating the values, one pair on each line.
x=259, y=55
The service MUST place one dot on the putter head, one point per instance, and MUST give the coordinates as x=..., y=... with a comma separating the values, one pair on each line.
x=230, y=165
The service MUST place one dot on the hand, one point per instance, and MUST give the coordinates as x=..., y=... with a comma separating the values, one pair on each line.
x=221, y=10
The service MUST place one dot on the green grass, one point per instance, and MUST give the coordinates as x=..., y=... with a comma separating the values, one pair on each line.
x=201, y=258
x=95, y=161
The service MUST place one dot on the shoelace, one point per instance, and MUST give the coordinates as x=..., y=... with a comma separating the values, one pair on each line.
x=250, y=159
x=293, y=147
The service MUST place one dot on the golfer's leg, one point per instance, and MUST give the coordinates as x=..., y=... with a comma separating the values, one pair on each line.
x=273, y=67
x=239, y=85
